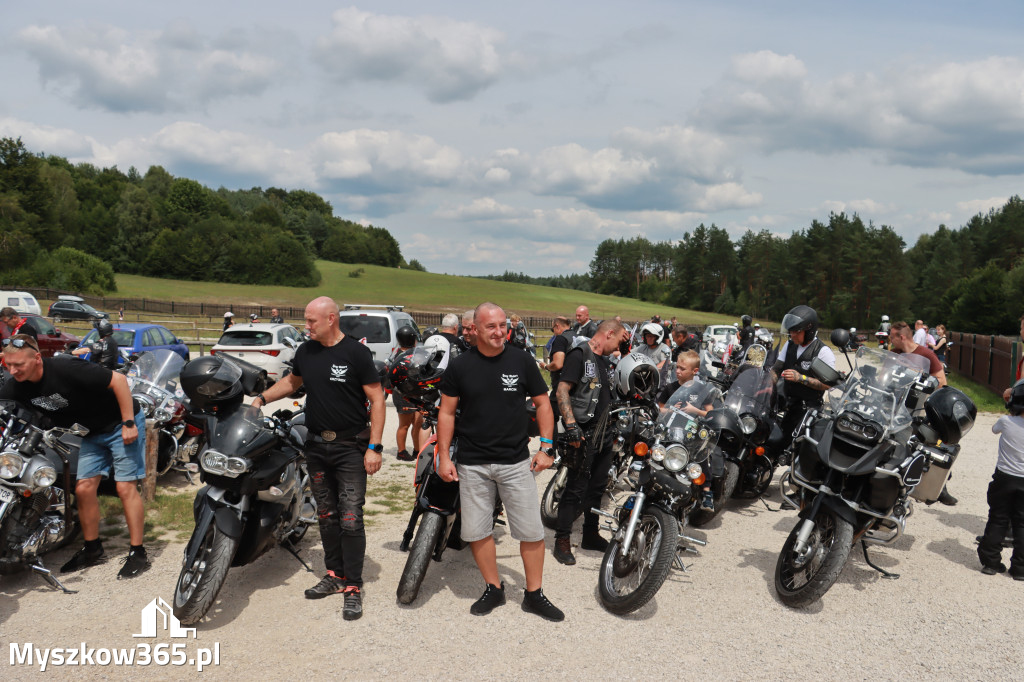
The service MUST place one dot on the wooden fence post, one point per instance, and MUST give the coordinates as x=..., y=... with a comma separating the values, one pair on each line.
x=152, y=447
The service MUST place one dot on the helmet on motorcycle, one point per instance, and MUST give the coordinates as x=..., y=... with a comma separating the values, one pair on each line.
x=416, y=373
x=1016, y=402
x=757, y=325
x=211, y=380
x=746, y=320
x=801, y=319
x=636, y=376
x=406, y=336
x=950, y=413
x=381, y=368
x=104, y=328
x=653, y=328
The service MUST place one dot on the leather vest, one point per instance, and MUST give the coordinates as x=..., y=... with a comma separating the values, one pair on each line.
x=586, y=392
x=802, y=365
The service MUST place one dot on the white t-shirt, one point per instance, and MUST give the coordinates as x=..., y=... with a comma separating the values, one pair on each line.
x=921, y=337
x=826, y=355
x=1011, y=444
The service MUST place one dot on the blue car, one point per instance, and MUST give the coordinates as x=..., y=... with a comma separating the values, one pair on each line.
x=135, y=337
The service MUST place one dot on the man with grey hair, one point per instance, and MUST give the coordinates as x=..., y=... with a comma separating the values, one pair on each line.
x=468, y=339
x=490, y=385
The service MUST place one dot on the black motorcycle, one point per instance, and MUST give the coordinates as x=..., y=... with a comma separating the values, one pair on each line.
x=885, y=436
x=654, y=491
x=37, y=474
x=257, y=491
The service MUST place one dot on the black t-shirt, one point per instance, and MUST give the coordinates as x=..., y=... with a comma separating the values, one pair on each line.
x=334, y=377
x=29, y=328
x=576, y=370
x=70, y=391
x=492, y=393
x=560, y=344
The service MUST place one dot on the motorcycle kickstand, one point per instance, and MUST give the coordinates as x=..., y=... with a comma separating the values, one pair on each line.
x=51, y=580
x=885, y=574
x=287, y=544
x=782, y=506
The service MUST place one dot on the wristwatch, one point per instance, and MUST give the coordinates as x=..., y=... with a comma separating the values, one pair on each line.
x=376, y=447
x=545, y=450
x=128, y=423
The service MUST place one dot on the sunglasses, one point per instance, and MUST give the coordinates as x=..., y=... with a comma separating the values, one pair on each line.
x=21, y=342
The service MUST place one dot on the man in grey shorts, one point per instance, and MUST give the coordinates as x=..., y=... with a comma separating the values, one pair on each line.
x=490, y=384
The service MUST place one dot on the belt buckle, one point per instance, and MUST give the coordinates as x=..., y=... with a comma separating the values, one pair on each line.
x=328, y=435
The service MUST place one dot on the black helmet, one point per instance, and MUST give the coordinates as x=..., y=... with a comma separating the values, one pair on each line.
x=746, y=320
x=950, y=413
x=416, y=373
x=406, y=336
x=382, y=372
x=210, y=380
x=1016, y=402
x=801, y=318
x=104, y=328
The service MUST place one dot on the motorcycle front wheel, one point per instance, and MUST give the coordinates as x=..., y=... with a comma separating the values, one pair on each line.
x=552, y=496
x=802, y=579
x=422, y=548
x=626, y=583
x=199, y=584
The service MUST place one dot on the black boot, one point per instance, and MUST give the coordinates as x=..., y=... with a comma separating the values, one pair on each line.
x=563, y=552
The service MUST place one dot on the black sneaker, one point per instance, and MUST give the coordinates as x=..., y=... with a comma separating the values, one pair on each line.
x=536, y=602
x=84, y=558
x=405, y=456
x=135, y=564
x=992, y=570
x=353, y=609
x=331, y=584
x=593, y=542
x=707, y=503
x=492, y=598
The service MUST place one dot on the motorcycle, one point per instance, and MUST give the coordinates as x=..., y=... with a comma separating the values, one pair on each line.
x=154, y=378
x=747, y=431
x=257, y=491
x=37, y=473
x=654, y=492
x=886, y=437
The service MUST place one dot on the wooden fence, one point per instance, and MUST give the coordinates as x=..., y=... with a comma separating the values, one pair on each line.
x=987, y=360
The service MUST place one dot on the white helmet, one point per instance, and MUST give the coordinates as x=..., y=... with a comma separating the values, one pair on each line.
x=853, y=330
x=885, y=318
x=653, y=328
x=637, y=376
x=441, y=348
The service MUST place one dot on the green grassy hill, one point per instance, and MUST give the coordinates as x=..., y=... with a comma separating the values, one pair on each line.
x=415, y=290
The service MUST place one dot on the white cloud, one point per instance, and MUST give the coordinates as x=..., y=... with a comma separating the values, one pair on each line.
x=109, y=68
x=862, y=207
x=975, y=206
x=485, y=208
x=450, y=60
x=726, y=196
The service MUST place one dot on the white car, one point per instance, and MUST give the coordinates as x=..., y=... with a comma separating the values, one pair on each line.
x=714, y=333
x=269, y=346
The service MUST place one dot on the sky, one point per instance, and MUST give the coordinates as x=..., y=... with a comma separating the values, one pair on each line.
x=517, y=136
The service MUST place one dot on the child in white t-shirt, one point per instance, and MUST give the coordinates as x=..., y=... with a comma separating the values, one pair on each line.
x=1006, y=492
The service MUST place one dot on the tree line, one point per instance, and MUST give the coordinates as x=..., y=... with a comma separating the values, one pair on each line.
x=852, y=273
x=71, y=226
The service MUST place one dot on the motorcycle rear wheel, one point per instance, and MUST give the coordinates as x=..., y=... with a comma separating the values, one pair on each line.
x=551, y=498
x=627, y=583
x=801, y=581
x=199, y=584
x=699, y=517
x=422, y=548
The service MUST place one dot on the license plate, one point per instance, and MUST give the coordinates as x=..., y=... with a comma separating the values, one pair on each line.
x=6, y=495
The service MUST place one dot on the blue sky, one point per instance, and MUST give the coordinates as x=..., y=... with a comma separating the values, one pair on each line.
x=490, y=137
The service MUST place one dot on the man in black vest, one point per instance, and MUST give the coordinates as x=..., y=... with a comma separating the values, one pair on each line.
x=584, y=395
x=584, y=325
x=104, y=350
x=746, y=335
x=795, y=357
x=560, y=345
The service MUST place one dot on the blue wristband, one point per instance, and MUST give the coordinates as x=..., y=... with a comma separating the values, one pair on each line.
x=546, y=440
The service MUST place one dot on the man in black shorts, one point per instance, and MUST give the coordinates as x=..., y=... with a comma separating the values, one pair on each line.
x=490, y=384
x=584, y=395
x=341, y=449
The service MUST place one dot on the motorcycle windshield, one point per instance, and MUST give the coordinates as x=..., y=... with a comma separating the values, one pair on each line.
x=235, y=433
x=156, y=374
x=680, y=427
x=878, y=385
x=751, y=393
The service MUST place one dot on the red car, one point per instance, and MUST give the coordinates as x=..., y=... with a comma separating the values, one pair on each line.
x=51, y=339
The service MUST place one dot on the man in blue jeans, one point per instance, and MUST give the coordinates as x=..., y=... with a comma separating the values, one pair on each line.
x=70, y=392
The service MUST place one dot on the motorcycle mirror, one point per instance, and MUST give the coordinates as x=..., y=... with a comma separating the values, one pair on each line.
x=824, y=373
x=840, y=338
x=78, y=430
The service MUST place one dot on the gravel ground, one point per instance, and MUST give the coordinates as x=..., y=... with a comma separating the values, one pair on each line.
x=720, y=619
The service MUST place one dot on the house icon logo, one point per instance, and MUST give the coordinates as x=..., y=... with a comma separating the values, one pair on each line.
x=157, y=615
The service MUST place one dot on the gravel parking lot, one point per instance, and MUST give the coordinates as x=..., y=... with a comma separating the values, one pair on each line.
x=720, y=619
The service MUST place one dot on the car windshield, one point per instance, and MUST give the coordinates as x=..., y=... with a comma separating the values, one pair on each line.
x=374, y=328
x=246, y=337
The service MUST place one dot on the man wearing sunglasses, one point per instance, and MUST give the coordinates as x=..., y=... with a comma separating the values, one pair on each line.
x=78, y=392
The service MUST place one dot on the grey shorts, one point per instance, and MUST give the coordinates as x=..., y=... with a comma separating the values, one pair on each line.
x=479, y=486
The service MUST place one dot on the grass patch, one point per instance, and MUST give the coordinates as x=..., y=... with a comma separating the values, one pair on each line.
x=168, y=512
x=984, y=399
x=388, y=497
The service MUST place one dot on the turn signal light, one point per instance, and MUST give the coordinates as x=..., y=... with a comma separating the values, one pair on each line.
x=700, y=480
x=759, y=451
x=640, y=449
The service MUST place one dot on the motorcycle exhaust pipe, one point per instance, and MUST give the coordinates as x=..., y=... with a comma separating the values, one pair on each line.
x=634, y=518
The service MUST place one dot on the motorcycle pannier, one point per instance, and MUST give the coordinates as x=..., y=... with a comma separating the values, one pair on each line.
x=934, y=479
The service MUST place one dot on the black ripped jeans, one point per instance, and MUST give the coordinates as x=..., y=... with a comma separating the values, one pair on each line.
x=338, y=479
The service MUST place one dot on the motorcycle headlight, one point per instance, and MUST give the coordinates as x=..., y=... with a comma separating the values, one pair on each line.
x=675, y=458
x=694, y=471
x=44, y=477
x=214, y=462
x=658, y=453
x=11, y=464
x=748, y=424
x=236, y=466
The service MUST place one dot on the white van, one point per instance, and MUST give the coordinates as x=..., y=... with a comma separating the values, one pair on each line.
x=22, y=301
x=375, y=326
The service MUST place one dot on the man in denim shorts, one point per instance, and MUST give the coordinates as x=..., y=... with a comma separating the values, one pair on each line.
x=490, y=384
x=70, y=391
